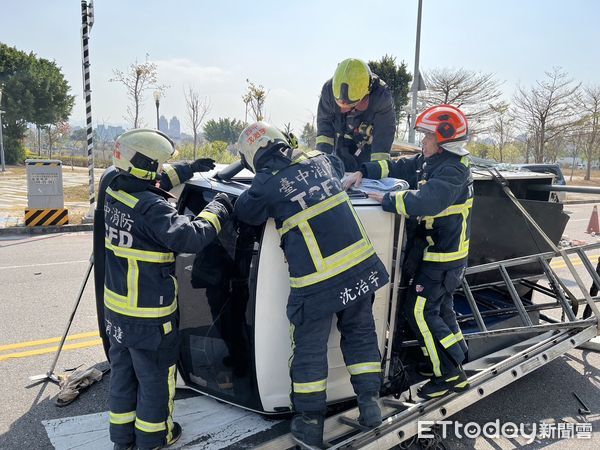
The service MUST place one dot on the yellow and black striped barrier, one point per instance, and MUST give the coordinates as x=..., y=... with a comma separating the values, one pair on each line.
x=43, y=163
x=35, y=217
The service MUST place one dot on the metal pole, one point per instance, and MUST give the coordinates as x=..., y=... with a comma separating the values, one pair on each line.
x=2, y=142
x=416, y=80
x=157, y=116
x=50, y=374
x=87, y=20
x=549, y=241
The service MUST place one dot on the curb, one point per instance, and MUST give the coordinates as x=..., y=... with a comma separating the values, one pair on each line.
x=593, y=344
x=579, y=202
x=30, y=231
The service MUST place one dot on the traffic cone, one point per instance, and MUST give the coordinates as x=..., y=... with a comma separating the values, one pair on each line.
x=593, y=225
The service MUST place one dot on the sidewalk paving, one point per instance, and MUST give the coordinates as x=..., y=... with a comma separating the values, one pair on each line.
x=13, y=200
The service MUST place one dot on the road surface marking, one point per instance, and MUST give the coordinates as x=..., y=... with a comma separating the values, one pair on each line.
x=42, y=351
x=47, y=341
x=207, y=425
x=561, y=264
x=45, y=264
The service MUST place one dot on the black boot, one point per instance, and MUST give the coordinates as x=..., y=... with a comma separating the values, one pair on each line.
x=123, y=447
x=370, y=413
x=307, y=429
x=175, y=435
x=436, y=387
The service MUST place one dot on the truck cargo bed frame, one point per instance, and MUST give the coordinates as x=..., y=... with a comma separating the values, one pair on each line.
x=488, y=374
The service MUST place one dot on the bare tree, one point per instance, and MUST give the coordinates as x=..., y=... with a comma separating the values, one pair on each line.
x=589, y=124
x=55, y=133
x=473, y=92
x=138, y=79
x=547, y=108
x=255, y=100
x=556, y=147
x=197, y=109
x=103, y=139
x=502, y=127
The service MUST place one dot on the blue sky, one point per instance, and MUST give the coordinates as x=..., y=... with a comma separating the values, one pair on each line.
x=292, y=47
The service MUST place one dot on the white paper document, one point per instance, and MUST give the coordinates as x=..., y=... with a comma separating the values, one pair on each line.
x=383, y=185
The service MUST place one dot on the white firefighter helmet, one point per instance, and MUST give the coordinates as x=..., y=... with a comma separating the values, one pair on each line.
x=256, y=139
x=142, y=152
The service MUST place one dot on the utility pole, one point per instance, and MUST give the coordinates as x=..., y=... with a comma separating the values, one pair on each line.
x=1, y=138
x=416, y=79
x=87, y=20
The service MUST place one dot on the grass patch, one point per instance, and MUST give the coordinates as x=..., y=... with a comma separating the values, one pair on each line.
x=79, y=193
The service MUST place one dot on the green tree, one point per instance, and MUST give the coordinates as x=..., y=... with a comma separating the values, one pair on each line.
x=16, y=80
x=34, y=90
x=80, y=134
x=481, y=150
x=254, y=100
x=53, y=103
x=396, y=77
x=309, y=135
x=217, y=150
x=223, y=129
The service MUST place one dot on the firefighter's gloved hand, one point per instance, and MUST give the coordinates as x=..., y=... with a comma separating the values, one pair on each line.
x=203, y=165
x=224, y=200
x=221, y=207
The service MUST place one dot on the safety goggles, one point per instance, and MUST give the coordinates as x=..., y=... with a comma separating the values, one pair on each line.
x=360, y=105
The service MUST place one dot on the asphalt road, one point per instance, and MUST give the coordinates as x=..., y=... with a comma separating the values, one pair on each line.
x=40, y=277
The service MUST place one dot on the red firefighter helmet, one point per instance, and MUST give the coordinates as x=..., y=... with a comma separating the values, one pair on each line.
x=447, y=122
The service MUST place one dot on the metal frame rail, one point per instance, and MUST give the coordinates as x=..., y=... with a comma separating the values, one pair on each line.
x=401, y=417
x=557, y=290
x=494, y=371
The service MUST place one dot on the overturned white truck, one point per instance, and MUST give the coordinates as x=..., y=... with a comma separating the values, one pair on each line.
x=232, y=297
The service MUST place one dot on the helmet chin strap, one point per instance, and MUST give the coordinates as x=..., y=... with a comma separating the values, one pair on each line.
x=143, y=174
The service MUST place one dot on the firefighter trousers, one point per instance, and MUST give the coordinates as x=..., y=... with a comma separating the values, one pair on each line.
x=308, y=364
x=141, y=392
x=429, y=310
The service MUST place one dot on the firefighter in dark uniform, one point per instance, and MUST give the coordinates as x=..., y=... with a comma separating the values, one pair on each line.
x=143, y=234
x=438, y=207
x=356, y=118
x=333, y=270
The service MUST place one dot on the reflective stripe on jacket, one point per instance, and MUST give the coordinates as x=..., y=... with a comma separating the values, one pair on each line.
x=440, y=199
x=174, y=174
x=369, y=133
x=322, y=237
x=143, y=233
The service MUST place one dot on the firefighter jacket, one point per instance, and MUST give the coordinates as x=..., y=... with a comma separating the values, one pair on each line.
x=440, y=201
x=357, y=136
x=143, y=231
x=174, y=174
x=330, y=257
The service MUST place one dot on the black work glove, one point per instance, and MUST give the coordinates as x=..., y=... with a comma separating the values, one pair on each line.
x=224, y=200
x=203, y=165
x=220, y=206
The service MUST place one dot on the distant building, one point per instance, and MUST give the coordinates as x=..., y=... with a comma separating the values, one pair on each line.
x=174, y=128
x=109, y=133
x=163, y=125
